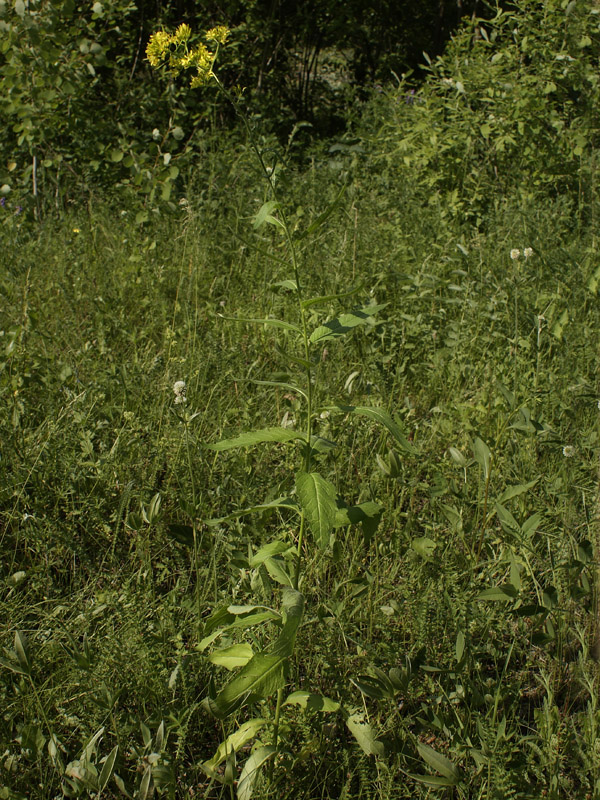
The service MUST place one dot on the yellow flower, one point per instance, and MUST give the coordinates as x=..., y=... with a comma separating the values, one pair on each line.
x=76, y=230
x=158, y=47
x=182, y=34
x=201, y=78
x=218, y=34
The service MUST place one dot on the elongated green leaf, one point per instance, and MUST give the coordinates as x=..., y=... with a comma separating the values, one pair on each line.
x=531, y=524
x=108, y=768
x=233, y=743
x=252, y=769
x=364, y=735
x=317, y=498
x=274, y=323
x=268, y=551
x=281, y=502
x=257, y=437
x=289, y=387
x=381, y=416
x=264, y=212
x=507, y=521
x=515, y=491
x=13, y=666
x=276, y=569
x=237, y=655
x=344, y=323
x=328, y=298
x=432, y=780
x=439, y=763
x=482, y=455
x=259, y=679
x=311, y=702
x=265, y=672
x=22, y=651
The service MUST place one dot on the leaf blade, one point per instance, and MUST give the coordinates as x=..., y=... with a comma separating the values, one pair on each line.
x=317, y=497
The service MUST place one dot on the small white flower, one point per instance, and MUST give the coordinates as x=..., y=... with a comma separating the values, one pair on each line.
x=156, y=134
x=528, y=252
x=515, y=254
x=325, y=414
x=179, y=389
x=568, y=451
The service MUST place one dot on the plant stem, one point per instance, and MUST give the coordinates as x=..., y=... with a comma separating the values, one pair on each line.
x=299, y=296
x=276, y=730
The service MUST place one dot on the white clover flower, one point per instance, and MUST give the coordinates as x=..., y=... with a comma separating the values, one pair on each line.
x=528, y=252
x=179, y=389
x=568, y=451
x=515, y=254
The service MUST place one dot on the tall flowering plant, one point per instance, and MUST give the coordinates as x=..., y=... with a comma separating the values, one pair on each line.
x=262, y=675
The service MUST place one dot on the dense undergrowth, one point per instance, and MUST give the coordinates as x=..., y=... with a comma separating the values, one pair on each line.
x=449, y=650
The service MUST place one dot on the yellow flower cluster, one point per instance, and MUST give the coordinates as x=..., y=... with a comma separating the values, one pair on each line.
x=217, y=35
x=172, y=49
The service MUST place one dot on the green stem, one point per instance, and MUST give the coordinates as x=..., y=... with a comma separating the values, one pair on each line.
x=299, y=295
x=276, y=730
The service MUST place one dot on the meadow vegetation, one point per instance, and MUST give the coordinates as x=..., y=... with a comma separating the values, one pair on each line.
x=299, y=488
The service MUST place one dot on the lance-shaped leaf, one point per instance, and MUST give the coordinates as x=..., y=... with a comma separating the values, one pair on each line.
x=108, y=768
x=364, y=735
x=381, y=416
x=439, y=763
x=258, y=437
x=265, y=214
x=345, y=323
x=280, y=502
x=252, y=769
x=327, y=298
x=233, y=743
x=317, y=498
x=264, y=674
x=232, y=657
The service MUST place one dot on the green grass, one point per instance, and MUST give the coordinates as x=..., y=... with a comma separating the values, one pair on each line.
x=405, y=626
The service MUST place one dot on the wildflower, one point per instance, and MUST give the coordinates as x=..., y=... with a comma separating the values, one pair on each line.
x=528, y=252
x=182, y=34
x=158, y=47
x=2, y=201
x=76, y=230
x=18, y=209
x=218, y=35
x=515, y=254
x=568, y=451
x=179, y=389
x=598, y=405
x=156, y=134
